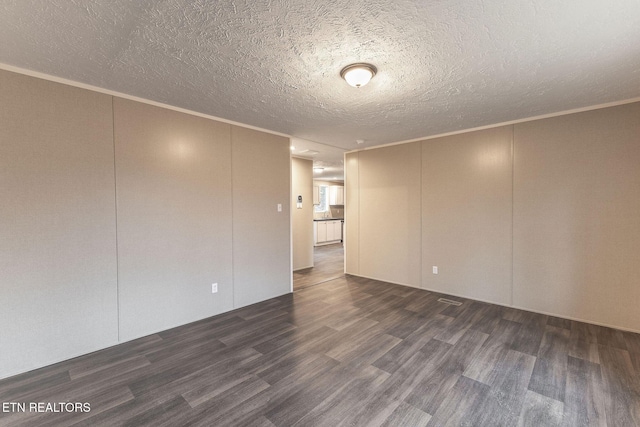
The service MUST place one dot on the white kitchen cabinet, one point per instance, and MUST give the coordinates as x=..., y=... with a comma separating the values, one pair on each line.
x=320, y=228
x=337, y=230
x=326, y=232
x=316, y=195
x=330, y=231
x=336, y=195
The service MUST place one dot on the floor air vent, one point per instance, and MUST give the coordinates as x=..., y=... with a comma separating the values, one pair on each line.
x=448, y=301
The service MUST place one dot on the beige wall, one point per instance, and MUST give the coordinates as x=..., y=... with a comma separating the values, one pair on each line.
x=552, y=229
x=261, y=234
x=174, y=217
x=466, y=214
x=389, y=221
x=196, y=204
x=302, y=219
x=352, y=214
x=576, y=215
x=58, y=272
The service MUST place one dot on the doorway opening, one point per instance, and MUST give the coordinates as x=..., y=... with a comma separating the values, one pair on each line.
x=328, y=264
x=317, y=219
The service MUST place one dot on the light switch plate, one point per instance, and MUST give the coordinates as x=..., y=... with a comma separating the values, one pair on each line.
x=214, y=288
x=435, y=269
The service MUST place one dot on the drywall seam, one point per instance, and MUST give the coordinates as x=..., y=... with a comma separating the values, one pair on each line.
x=384, y=281
x=115, y=196
x=513, y=145
x=290, y=219
x=233, y=240
x=359, y=210
x=344, y=215
x=421, y=219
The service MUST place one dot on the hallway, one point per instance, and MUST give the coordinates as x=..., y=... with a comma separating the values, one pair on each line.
x=328, y=265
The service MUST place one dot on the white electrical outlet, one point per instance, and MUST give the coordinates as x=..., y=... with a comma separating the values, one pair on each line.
x=279, y=207
x=435, y=269
x=214, y=288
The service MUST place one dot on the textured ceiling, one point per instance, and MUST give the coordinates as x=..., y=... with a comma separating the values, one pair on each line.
x=330, y=159
x=443, y=65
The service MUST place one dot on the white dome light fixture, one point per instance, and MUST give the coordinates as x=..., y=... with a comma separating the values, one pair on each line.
x=358, y=75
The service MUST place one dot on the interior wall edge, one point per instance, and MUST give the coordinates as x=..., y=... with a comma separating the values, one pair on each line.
x=301, y=217
x=290, y=220
x=517, y=307
x=385, y=281
x=512, y=160
x=577, y=319
x=507, y=123
x=56, y=79
x=261, y=209
x=99, y=89
x=53, y=362
x=115, y=208
x=244, y=305
x=123, y=341
x=351, y=237
x=157, y=331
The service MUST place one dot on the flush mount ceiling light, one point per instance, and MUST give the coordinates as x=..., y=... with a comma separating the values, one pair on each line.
x=318, y=170
x=358, y=75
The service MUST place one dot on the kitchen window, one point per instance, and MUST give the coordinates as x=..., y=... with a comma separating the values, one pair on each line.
x=323, y=206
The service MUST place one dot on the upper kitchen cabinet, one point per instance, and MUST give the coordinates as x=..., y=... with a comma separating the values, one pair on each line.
x=316, y=195
x=336, y=195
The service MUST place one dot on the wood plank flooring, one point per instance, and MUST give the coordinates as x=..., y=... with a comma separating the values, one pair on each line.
x=350, y=352
x=328, y=263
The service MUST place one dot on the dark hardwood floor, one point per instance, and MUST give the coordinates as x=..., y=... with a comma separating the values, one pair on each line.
x=350, y=352
x=328, y=263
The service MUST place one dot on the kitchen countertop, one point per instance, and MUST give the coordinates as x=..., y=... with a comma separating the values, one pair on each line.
x=328, y=219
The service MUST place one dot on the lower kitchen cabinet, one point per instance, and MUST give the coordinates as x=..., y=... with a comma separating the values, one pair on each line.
x=320, y=232
x=334, y=230
x=325, y=232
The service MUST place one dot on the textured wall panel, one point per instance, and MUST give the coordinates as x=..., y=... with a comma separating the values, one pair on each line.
x=57, y=216
x=576, y=204
x=261, y=234
x=573, y=190
x=352, y=214
x=466, y=214
x=302, y=219
x=390, y=213
x=174, y=217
